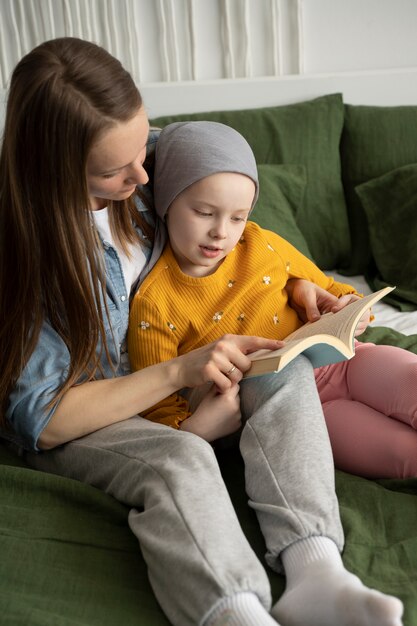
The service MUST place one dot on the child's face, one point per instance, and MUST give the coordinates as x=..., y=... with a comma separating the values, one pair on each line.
x=207, y=219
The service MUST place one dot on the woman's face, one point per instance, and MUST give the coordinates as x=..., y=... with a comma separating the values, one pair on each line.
x=115, y=162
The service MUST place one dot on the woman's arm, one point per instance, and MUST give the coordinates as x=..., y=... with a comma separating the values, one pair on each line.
x=93, y=405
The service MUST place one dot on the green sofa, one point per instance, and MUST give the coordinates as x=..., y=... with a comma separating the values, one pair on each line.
x=340, y=182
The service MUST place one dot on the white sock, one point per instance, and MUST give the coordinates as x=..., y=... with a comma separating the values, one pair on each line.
x=241, y=609
x=321, y=592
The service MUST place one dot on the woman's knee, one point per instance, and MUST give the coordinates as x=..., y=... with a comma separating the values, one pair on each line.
x=150, y=461
x=297, y=374
x=298, y=379
x=184, y=444
x=301, y=367
x=147, y=443
x=173, y=443
x=289, y=398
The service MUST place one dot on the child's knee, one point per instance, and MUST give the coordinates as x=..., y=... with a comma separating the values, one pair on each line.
x=404, y=455
x=410, y=377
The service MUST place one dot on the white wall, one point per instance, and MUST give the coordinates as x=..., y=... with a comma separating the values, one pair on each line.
x=161, y=40
x=346, y=35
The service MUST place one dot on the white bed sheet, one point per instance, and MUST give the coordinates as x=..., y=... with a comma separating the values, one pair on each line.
x=385, y=314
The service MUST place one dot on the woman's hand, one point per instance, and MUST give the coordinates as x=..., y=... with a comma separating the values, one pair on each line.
x=308, y=299
x=217, y=415
x=222, y=362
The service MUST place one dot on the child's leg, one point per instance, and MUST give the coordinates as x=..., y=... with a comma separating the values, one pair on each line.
x=289, y=467
x=367, y=443
x=290, y=483
x=360, y=397
x=385, y=378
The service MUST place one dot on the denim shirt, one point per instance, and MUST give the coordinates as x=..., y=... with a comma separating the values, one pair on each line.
x=27, y=411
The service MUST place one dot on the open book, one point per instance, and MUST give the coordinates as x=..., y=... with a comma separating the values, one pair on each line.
x=328, y=340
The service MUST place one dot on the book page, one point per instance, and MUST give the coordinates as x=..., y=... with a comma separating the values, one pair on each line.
x=340, y=324
x=329, y=324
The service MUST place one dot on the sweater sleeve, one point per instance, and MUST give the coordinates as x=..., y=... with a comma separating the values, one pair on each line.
x=152, y=340
x=299, y=266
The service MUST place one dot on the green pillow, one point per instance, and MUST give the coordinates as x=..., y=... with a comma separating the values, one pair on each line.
x=281, y=193
x=305, y=133
x=375, y=141
x=78, y=562
x=390, y=204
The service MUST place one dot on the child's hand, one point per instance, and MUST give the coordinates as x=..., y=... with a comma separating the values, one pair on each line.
x=366, y=317
x=217, y=415
x=308, y=299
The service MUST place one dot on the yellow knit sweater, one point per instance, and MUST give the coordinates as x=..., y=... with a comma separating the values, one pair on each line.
x=173, y=313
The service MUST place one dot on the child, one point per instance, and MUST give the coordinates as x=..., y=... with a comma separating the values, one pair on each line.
x=222, y=274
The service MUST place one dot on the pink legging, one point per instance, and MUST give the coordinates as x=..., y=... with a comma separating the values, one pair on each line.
x=370, y=406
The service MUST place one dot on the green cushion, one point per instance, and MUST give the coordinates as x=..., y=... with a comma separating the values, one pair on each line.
x=281, y=193
x=68, y=556
x=390, y=204
x=375, y=141
x=308, y=134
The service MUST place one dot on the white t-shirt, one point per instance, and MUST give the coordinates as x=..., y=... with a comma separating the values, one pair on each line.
x=131, y=266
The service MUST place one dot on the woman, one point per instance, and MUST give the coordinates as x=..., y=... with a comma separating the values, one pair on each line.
x=76, y=240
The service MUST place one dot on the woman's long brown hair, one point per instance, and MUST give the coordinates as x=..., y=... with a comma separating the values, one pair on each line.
x=62, y=95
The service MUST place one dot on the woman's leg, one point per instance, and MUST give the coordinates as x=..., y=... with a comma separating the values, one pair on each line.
x=288, y=459
x=290, y=482
x=180, y=512
x=370, y=406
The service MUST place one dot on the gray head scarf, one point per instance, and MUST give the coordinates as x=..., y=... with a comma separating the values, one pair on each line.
x=186, y=152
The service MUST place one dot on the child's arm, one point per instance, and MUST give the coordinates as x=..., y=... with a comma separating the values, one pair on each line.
x=308, y=299
x=311, y=293
x=151, y=341
x=311, y=301
x=300, y=267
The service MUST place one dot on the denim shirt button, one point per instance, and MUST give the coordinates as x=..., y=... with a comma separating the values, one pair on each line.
x=122, y=298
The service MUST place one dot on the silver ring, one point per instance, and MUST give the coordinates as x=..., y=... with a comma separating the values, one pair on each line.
x=232, y=369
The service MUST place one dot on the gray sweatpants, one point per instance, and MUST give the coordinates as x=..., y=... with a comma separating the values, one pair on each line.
x=180, y=510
